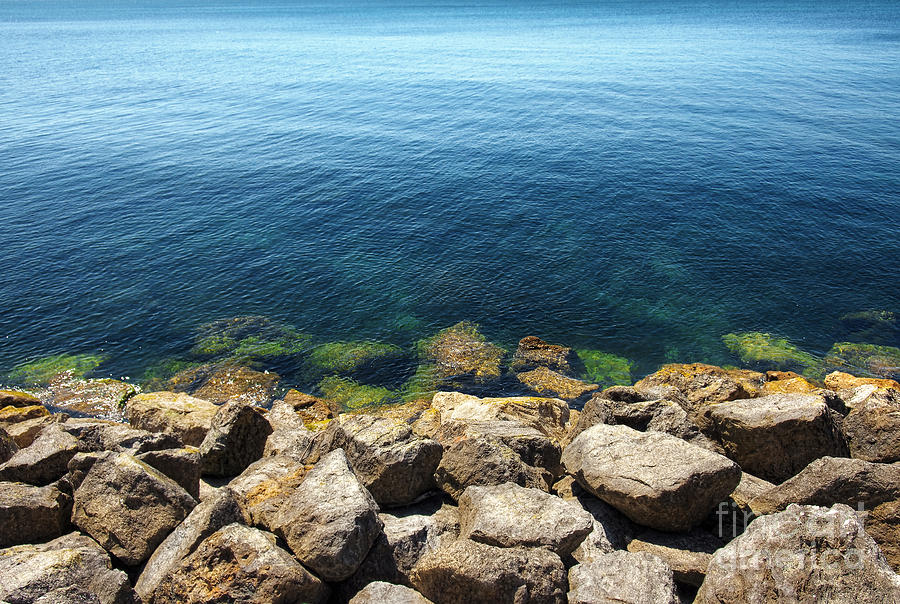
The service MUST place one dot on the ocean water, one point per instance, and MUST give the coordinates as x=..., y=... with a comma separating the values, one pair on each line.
x=635, y=177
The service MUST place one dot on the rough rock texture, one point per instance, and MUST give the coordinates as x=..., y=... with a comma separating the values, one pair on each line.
x=13, y=415
x=611, y=530
x=533, y=447
x=379, y=592
x=239, y=564
x=395, y=465
x=622, y=577
x=460, y=351
x=30, y=514
x=533, y=352
x=129, y=507
x=181, y=465
x=236, y=438
x=732, y=516
x=330, y=521
x=25, y=432
x=655, y=479
x=687, y=554
x=102, y=435
x=468, y=571
x=776, y=436
x=873, y=426
x=883, y=525
x=310, y=408
x=701, y=383
x=205, y=519
x=548, y=382
x=290, y=437
x=94, y=397
x=804, y=554
x=58, y=571
x=839, y=380
x=508, y=515
x=263, y=487
x=221, y=382
x=547, y=415
x=14, y=398
x=790, y=385
x=186, y=417
x=45, y=460
x=8, y=446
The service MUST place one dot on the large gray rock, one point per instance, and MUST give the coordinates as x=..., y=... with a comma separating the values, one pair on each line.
x=237, y=438
x=102, y=435
x=58, y=571
x=775, y=436
x=687, y=554
x=622, y=578
x=45, y=460
x=395, y=465
x=179, y=414
x=508, y=515
x=330, y=521
x=290, y=437
x=468, y=571
x=30, y=514
x=205, y=519
x=181, y=465
x=379, y=592
x=804, y=554
x=129, y=507
x=8, y=446
x=657, y=480
x=239, y=564
x=873, y=426
x=263, y=487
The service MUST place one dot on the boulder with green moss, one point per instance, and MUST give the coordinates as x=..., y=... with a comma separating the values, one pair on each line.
x=250, y=340
x=756, y=347
x=873, y=359
x=462, y=351
x=351, y=395
x=220, y=382
x=358, y=360
x=43, y=371
x=157, y=376
x=605, y=369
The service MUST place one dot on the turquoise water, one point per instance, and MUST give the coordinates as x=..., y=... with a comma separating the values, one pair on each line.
x=635, y=177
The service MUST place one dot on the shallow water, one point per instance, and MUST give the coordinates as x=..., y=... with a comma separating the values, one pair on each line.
x=635, y=177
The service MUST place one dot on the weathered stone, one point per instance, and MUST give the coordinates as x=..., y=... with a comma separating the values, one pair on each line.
x=14, y=398
x=290, y=437
x=468, y=571
x=8, y=446
x=45, y=460
x=655, y=479
x=700, y=384
x=221, y=382
x=611, y=530
x=205, y=519
x=310, y=408
x=236, y=438
x=792, y=385
x=687, y=554
x=13, y=415
x=534, y=448
x=51, y=572
x=30, y=514
x=548, y=382
x=732, y=516
x=101, y=435
x=263, y=487
x=186, y=417
x=883, y=525
x=880, y=361
x=622, y=577
x=101, y=398
x=330, y=521
x=239, y=564
x=547, y=415
x=872, y=428
x=804, y=554
x=129, y=507
x=533, y=352
x=839, y=380
x=508, y=515
x=395, y=465
x=181, y=465
x=379, y=592
x=25, y=432
x=776, y=436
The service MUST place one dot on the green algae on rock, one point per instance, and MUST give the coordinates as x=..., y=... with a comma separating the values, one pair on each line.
x=765, y=348
x=605, y=369
x=882, y=361
x=157, y=376
x=220, y=382
x=43, y=371
x=249, y=339
x=350, y=359
x=461, y=350
x=351, y=395
x=423, y=384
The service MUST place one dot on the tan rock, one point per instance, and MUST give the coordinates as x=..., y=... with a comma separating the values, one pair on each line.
x=549, y=382
x=839, y=380
x=547, y=415
x=184, y=416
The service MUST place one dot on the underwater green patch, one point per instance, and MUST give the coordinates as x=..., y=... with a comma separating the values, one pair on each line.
x=249, y=339
x=874, y=359
x=351, y=395
x=213, y=346
x=348, y=358
x=605, y=369
x=461, y=349
x=156, y=376
x=42, y=371
x=765, y=348
x=422, y=384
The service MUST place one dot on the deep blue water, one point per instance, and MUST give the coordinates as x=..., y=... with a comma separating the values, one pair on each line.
x=637, y=177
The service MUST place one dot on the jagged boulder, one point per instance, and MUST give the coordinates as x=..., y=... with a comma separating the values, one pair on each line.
x=239, y=564
x=181, y=465
x=803, y=554
x=468, y=571
x=310, y=408
x=13, y=415
x=838, y=380
x=395, y=465
x=30, y=514
x=43, y=461
x=637, y=578
x=26, y=431
x=655, y=479
x=60, y=570
x=700, y=384
x=236, y=438
x=549, y=416
x=508, y=515
x=8, y=446
x=186, y=417
x=290, y=437
x=379, y=592
x=128, y=507
x=330, y=521
x=103, y=435
x=263, y=487
x=776, y=436
x=873, y=425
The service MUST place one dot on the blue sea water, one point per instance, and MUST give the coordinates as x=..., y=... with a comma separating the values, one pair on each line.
x=636, y=177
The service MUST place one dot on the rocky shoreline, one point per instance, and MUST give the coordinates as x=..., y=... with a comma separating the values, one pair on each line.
x=695, y=483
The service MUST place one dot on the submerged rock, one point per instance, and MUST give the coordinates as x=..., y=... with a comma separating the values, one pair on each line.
x=351, y=359
x=617, y=577
x=349, y=395
x=533, y=352
x=223, y=382
x=758, y=347
x=43, y=371
x=605, y=369
x=103, y=398
x=879, y=361
x=461, y=351
x=546, y=381
x=252, y=339
x=179, y=414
